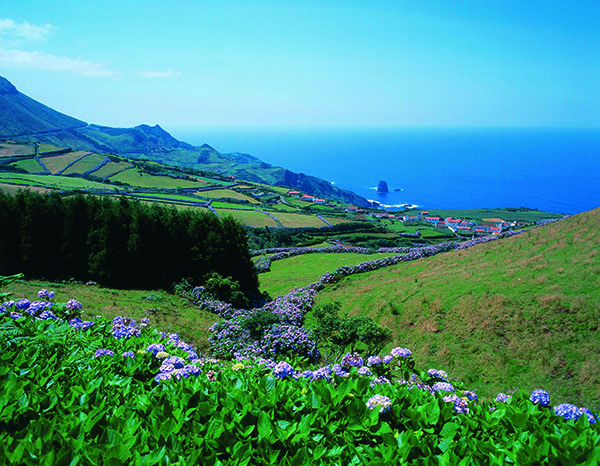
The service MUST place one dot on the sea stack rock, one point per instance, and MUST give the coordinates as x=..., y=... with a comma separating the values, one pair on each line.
x=382, y=187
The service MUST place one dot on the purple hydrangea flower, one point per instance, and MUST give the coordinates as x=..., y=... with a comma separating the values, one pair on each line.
x=176, y=361
x=45, y=294
x=22, y=304
x=282, y=370
x=104, y=352
x=387, y=359
x=379, y=381
x=442, y=386
x=592, y=418
x=364, y=371
x=373, y=361
x=15, y=315
x=307, y=374
x=163, y=376
x=470, y=395
x=437, y=373
x=502, y=397
x=352, y=360
x=460, y=404
x=322, y=373
x=128, y=354
x=540, y=397
x=74, y=305
x=384, y=403
x=401, y=352
x=155, y=348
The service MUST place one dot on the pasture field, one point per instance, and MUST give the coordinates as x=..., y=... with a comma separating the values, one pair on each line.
x=12, y=189
x=85, y=164
x=299, y=271
x=110, y=169
x=249, y=217
x=60, y=182
x=227, y=193
x=291, y=220
x=519, y=312
x=30, y=165
x=56, y=163
x=8, y=149
x=136, y=177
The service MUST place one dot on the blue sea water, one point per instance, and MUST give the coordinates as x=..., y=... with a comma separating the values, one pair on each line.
x=555, y=170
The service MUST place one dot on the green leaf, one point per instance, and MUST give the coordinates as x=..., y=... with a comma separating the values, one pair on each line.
x=265, y=427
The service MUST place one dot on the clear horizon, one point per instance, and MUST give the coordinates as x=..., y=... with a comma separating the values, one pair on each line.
x=307, y=63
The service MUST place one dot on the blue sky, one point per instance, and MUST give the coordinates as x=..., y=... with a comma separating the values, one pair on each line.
x=308, y=63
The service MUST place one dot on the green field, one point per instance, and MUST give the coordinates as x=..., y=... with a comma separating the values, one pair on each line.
x=56, y=163
x=299, y=271
x=7, y=149
x=111, y=168
x=85, y=164
x=30, y=165
x=520, y=312
x=227, y=193
x=61, y=182
x=299, y=220
x=249, y=217
x=510, y=215
x=136, y=177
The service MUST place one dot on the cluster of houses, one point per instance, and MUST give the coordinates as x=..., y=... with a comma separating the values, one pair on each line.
x=306, y=197
x=489, y=226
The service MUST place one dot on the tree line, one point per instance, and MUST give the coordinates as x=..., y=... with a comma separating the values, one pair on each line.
x=119, y=243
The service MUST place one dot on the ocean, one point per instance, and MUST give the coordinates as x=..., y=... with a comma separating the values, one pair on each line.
x=555, y=170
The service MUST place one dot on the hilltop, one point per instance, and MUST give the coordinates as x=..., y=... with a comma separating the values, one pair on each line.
x=521, y=312
x=24, y=119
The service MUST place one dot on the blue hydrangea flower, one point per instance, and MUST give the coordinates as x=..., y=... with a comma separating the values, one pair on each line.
x=437, y=373
x=568, y=411
x=379, y=381
x=401, y=352
x=73, y=305
x=45, y=294
x=470, y=395
x=15, y=315
x=282, y=370
x=322, y=373
x=364, y=371
x=502, y=397
x=155, y=348
x=128, y=354
x=104, y=352
x=460, y=405
x=442, y=386
x=384, y=403
x=22, y=304
x=307, y=374
x=176, y=361
x=592, y=418
x=388, y=358
x=540, y=397
x=163, y=376
x=373, y=361
x=352, y=360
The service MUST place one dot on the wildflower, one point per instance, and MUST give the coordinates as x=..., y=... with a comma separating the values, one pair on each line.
x=502, y=398
x=568, y=411
x=162, y=355
x=155, y=348
x=401, y=352
x=74, y=305
x=364, y=371
x=104, y=352
x=540, y=397
x=282, y=370
x=238, y=367
x=470, y=395
x=442, y=386
x=383, y=402
x=128, y=354
x=379, y=381
x=210, y=375
x=45, y=294
x=373, y=361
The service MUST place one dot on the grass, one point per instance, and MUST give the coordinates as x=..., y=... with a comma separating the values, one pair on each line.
x=56, y=163
x=249, y=217
x=12, y=189
x=31, y=165
x=7, y=149
x=520, y=312
x=61, y=182
x=298, y=220
x=298, y=271
x=479, y=214
x=85, y=164
x=136, y=177
x=110, y=169
x=227, y=193
x=166, y=311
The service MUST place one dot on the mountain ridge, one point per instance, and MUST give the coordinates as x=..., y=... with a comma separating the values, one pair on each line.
x=25, y=119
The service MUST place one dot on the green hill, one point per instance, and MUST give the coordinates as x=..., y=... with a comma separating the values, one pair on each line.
x=522, y=312
x=21, y=115
x=24, y=119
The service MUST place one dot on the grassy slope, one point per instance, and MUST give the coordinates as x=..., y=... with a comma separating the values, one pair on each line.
x=521, y=312
x=167, y=312
x=299, y=271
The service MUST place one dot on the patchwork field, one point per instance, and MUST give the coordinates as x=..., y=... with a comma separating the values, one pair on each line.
x=56, y=163
x=227, y=193
x=299, y=220
x=249, y=217
x=135, y=177
x=30, y=165
x=110, y=169
x=85, y=164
